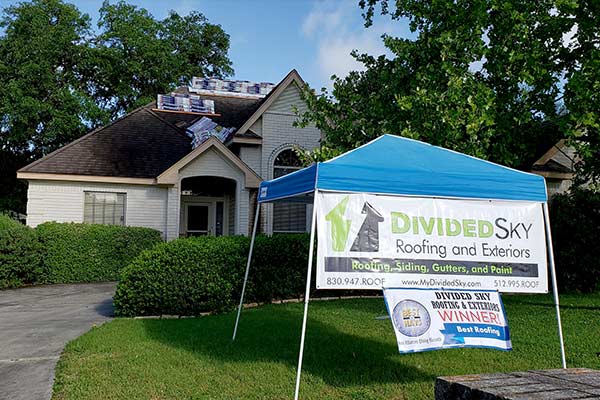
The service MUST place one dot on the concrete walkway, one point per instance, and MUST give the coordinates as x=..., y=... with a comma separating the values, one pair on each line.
x=35, y=325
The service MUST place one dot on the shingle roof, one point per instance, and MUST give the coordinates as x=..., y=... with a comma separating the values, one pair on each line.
x=143, y=143
x=138, y=145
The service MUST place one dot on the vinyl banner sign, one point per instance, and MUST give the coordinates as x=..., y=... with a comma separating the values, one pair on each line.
x=370, y=241
x=431, y=319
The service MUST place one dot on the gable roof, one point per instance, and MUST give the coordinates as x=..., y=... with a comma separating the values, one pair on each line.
x=292, y=77
x=558, y=162
x=170, y=176
x=560, y=155
x=138, y=145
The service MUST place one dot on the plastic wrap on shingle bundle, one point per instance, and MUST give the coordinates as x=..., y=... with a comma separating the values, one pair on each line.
x=184, y=102
x=215, y=86
x=205, y=128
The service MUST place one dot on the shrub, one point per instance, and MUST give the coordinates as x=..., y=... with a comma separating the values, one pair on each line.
x=90, y=253
x=190, y=276
x=278, y=269
x=184, y=277
x=575, y=221
x=20, y=254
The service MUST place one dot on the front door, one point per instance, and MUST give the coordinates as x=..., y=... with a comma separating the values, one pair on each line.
x=200, y=220
x=205, y=218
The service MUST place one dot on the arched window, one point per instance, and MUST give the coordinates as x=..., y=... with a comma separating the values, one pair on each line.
x=286, y=162
x=288, y=217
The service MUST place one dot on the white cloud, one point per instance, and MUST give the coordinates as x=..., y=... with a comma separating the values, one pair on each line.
x=320, y=18
x=334, y=56
x=337, y=29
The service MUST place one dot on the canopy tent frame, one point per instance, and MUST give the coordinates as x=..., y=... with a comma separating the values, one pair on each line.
x=316, y=189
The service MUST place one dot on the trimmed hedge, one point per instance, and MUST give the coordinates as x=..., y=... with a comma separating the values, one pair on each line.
x=184, y=277
x=20, y=254
x=278, y=269
x=195, y=275
x=575, y=221
x=76, y=252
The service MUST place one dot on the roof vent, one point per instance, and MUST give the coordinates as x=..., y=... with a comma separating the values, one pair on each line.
x=230, y=87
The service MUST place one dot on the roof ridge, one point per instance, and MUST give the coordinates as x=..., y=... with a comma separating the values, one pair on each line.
x=80, y=139
x=290, y=75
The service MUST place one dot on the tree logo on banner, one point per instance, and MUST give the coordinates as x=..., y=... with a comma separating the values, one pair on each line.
x=367, y=238
x=340, y=227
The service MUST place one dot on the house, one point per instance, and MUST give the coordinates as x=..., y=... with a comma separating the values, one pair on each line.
x=557, y=165
x=143, y=170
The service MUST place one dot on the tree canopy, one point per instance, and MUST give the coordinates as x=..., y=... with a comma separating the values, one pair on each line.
x=60, y=77
x=495, y=79
x=135, y=56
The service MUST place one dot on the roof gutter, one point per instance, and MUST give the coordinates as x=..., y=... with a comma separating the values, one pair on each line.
x=85, y=178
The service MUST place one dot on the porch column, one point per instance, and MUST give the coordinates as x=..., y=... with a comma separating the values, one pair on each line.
x=242, y=203
x=173, y=205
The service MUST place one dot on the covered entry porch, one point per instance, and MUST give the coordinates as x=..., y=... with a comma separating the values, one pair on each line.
x=211, y=193
x=208, y=206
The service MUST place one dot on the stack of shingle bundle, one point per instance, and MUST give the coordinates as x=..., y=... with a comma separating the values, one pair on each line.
x=265, y=88
x=231, y=87
x=204, y=128
x=184, y=102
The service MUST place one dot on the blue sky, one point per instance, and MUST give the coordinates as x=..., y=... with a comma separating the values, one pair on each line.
x=270, y=37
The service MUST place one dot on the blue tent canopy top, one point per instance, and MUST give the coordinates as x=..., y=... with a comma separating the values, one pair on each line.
x=400, y=166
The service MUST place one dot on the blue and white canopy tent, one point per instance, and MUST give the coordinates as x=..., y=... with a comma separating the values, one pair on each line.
x=397, y=166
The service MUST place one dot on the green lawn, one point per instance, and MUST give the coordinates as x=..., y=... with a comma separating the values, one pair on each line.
x=349, y=353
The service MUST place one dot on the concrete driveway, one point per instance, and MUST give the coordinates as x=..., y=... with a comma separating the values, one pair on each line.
x=35, y=325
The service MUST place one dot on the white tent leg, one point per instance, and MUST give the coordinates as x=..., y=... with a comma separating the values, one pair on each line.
x=554, y=284
x=237, y=319
x=306, y=294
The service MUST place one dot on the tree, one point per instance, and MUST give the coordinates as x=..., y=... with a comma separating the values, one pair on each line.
x=43, y=103
x=482, y=77
x=582, y=88
x=59, y=78
x=135, y=56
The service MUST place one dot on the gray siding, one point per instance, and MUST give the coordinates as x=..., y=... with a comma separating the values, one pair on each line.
x=289, y=98
x=557, y=186
x=62, y=201
x=251, y=155
x=257, y=127
x=280, y=134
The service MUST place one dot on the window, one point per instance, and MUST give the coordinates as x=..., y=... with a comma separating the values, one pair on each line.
x=104, y=208
x=288, y=217
x=285, y=163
